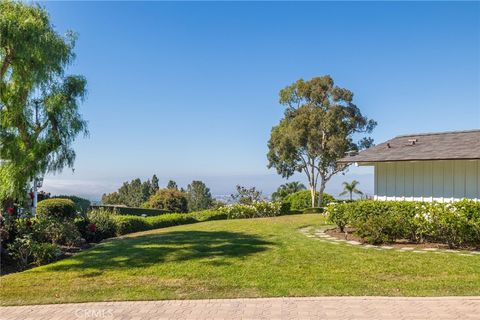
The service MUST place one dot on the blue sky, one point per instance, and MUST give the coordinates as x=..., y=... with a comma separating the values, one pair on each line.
x=190, y=90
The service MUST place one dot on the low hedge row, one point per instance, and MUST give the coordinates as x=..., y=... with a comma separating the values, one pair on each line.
x=130, y=211
x=110, y=223
x=456, y=224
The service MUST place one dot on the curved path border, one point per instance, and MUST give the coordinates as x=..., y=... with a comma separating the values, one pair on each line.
x=319, y=234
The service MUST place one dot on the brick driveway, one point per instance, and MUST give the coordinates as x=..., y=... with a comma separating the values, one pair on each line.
x=368, y=308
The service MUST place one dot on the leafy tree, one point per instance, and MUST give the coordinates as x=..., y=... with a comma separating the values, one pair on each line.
x=39, y=117
x=351, y=188
x=172, y=185
x=286, y=189
x=171, y=200
x=154, y=184
x=131, y=194
x=246, y=195
x=198, y=196
x=316, y=131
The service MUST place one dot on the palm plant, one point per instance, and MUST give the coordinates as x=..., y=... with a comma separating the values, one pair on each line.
x=351, y=188
x=286, y=189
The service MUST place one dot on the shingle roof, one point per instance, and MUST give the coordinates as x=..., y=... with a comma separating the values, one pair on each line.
x=424, y=146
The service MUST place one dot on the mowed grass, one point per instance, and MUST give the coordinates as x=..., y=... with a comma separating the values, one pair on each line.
x=238, y=258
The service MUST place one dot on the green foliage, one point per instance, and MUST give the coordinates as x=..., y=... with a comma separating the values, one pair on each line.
x=129, y=224
x=170, y=200
x=456, y=224
x=172, y=185
x=313, y=210
x=81, y=205
x=103, y=222
x=21, y=250
x=316, y=131
x=245, y=195
x=302, y=200
x=132, y=194
x=56, y=231
x=207, y=215
x=39, y=104
x=131, y=211
x=43, y=253
x=198, y=196
x=286, y=189
x=59, y=208
x=257, y=209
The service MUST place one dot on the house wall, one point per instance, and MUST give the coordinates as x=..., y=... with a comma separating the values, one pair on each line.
x=439, y=180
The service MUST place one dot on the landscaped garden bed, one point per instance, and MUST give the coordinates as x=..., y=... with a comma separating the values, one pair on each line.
x=456, y=225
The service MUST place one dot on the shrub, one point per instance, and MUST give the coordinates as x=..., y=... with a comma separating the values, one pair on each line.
x=208, y=215
x=130, y=211
x=313, y=210
x=128, y=224
x=100, y=225
x=257, y=209
x=58, y=208
x=21, y=250
x=456, y=224
x=56, y=231
x=81, y=204
x=170, y=200
x=43, y=253
x=301, y=200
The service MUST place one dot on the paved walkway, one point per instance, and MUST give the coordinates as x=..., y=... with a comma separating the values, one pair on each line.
x=368, y=308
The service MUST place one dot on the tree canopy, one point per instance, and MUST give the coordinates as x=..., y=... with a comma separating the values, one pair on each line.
x=317, y=129
x=351, y=188
x=198, y=196
x=39, y=104
x=286, y=189
x=133, y=193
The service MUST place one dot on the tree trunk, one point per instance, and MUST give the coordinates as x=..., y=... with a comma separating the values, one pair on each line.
x=320, y=195
x=351, y=195
x=312, y=194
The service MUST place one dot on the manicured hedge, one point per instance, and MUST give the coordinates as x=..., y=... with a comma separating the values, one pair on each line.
x=128, y=224
x=302, y=200
x=130, y=211
x=81, y=204
x=56, y=208
x=456, y=224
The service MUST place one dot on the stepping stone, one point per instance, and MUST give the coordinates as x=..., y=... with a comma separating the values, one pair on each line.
x=370, y=246
x=386, y=247
x=418, y=251
x=355, y=243
x=475, y=252
x=407, y=249
x=334, y=242
x=430, y=249
x=452, y=251
x=466, y=255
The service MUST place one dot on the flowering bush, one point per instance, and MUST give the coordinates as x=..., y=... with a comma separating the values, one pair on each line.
x=257, y=209
x=456, y=224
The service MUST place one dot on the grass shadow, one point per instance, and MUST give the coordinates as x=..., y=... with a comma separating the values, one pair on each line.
x=139, y=252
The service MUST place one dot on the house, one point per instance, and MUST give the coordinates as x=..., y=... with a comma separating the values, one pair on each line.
x=439, y=167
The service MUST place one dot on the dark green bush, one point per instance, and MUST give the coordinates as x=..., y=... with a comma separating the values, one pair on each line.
x=58, y=208
x=131, y=211
x=56, y=230
x=302, y=200
x=128, y=224
x=101, y=225
x=456, y=224
x=43, y=253
x=171, y=200
x=313, y=210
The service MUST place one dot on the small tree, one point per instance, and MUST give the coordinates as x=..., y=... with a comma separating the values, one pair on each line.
x=247, y=195
x=198, y=196
x=168, y=199
x=286, y=189
x=351, y=188
x=154, y=185
x=316, y=131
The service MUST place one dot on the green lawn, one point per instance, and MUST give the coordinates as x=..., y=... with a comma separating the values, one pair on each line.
x=238, y=258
